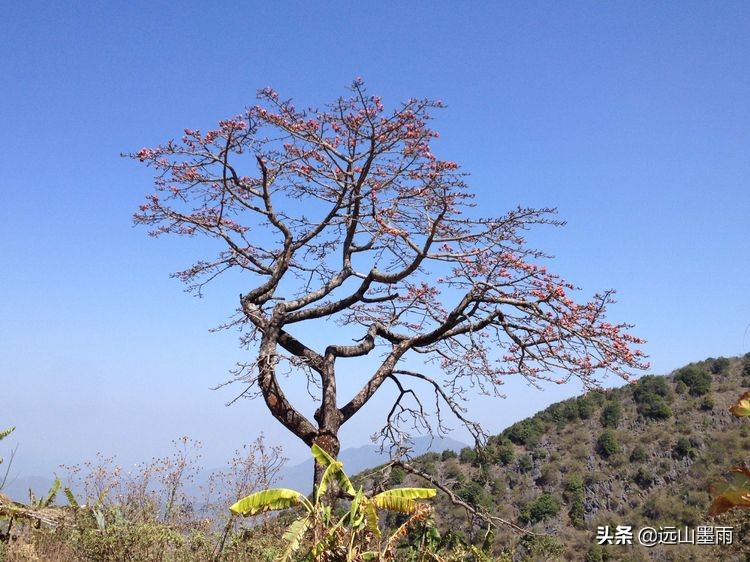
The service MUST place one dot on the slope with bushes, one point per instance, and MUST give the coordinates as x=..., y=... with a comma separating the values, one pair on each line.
x=641, y=455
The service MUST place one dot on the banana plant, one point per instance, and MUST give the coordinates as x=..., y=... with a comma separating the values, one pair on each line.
x=4, y=477
x=356, y=534
x=45, y=501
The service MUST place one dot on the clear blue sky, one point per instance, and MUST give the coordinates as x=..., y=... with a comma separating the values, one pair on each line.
x=632, y=118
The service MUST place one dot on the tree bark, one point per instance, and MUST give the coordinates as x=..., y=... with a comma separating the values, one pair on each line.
x=329, y=442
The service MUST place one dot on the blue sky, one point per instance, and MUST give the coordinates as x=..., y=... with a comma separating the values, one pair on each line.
x=631, y=118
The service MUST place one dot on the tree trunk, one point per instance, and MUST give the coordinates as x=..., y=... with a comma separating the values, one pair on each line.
x=328, y=416
x=329, y=442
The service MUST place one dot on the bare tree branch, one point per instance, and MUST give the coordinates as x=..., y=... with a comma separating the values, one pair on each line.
x=344, y=224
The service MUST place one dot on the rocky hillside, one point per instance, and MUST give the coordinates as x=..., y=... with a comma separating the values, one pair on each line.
x=641, y=455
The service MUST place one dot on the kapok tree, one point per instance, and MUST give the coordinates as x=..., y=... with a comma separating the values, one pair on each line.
x=346, y=215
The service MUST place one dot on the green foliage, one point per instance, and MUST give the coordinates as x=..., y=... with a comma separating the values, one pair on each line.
x=473, y=493
x=538, y=454
x=4, y=474
x=356, y=533
x=426, y=544
x=682, y=448
x=643, y=477
x=638, y=454
x=543, y=547
x=658, y=488
x=526, y=432
x=504, y=452
x=707, y=404
x=607, y=444
x=697, y=380
x=656, y=410
x=467, y=455
x=397, y=476
x=652, y=394
x=562, y=413
x=586, y=407
x=268, y=500
x=594, y=554
x=719, y=366
x=611, y=414
x=573, y=494
x=525, y=463
x=650, y=385
x=655, y=407
x=448, y=454
x=542, y=508
x=430, y=457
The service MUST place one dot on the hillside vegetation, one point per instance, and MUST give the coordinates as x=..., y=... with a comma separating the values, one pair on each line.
x=641, y=455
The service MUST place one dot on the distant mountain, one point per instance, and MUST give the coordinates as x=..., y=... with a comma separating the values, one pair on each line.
x=18, y=488
x=299, y=476
x=643, y=455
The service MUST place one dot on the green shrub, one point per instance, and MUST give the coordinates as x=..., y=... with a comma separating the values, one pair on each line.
x=473, y=493
x=562, y=413
x=542, y=547
x=448, y=454
x=505, y=452
x=586, y=407
x=643, y=477
x=467, y=455
x=655, y=408
x=697, y=380
x=538, y=454
x=638, y=454
x=482, y=476
x=720, y=365
x=648, y=386
x=398, y=475
x=652, y=394
x=682, y=448
x=544, y=507
x=594, y=554
x=525, y=463
x=607, y=444
x=526, y=432
x=573, y=494
x=611, y=414
x=707, y=403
